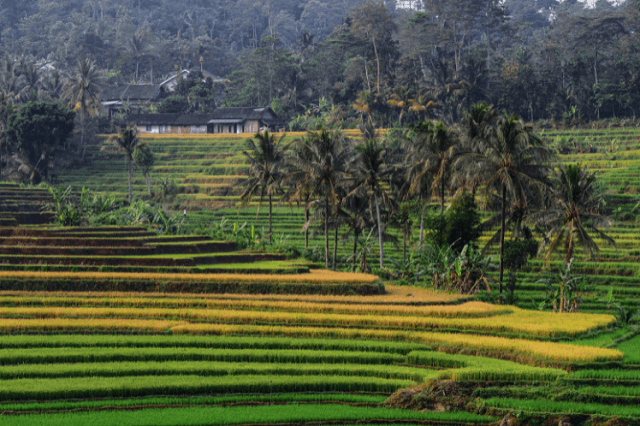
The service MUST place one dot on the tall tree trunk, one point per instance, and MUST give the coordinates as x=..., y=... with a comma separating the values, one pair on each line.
x=502, y=226
x=147, y=179
x=404, y=246
x=375, y=50
x=335, y=248
x=326, y=232
x=355, y=249
x=82, y=126
x=379, y=230
x=306, y=222
x=424, y=207
x=442, y=197
x=270, y=219
x=130, y=161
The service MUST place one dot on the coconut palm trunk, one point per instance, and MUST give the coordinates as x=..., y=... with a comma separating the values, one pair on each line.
x=502, y=230
x=130, y=161
x=270, y=218
x=424, y=207
x=355, y=249
x=306, y=221
x=442, y=197
x=335, y=248
x=379, y=230
x=326, y=233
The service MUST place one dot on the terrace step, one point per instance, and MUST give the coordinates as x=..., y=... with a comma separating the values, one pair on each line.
x=77, y=251
x=136, y=261
x=68, y=242
x=30, y=218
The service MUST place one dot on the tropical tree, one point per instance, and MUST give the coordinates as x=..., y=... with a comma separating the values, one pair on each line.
x=82, y=90
x=507, y=160
x=319, y=164
x=265, y=155
x=127, y=140
x=38, y=129
x=433, y=157
x=145, y=159
x=422, y=103
x=400, y=99
x=477, y=125
x=577, y=212
x=368, y=174
x=358, y=220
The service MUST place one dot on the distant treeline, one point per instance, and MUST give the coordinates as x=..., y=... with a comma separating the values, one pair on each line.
x=540, y=59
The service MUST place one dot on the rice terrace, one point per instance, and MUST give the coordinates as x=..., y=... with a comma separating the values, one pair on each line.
x=197, y=318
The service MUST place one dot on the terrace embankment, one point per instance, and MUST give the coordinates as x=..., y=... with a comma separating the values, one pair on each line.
x=129, y=259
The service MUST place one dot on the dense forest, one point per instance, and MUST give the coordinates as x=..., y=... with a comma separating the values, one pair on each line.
x=397, y=61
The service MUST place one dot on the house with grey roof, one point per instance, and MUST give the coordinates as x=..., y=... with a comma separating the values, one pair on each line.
x=221, y=120
x=170, y=83
x=135, y=96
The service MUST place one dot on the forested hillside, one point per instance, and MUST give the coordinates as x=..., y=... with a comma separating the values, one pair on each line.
x=542, y=59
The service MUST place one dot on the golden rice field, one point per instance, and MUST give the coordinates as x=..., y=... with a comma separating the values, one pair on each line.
x=543, y=324
x=318, y=276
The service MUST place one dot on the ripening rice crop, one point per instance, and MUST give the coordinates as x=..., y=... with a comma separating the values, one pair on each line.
x=470, y=309
x=472, y=368
x=100, y=387
x=551, y=351
x=314, y=276
x=219, y=416
x=530, y=322
x=13, y=325
x=395, y=295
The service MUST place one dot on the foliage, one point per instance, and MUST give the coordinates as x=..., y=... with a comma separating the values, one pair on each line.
x=565, y=292
x=39, y=129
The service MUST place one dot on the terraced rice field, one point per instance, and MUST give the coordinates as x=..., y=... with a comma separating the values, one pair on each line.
x=152, y=342
x=162, y=358
x=167, y=351
x=209, y=170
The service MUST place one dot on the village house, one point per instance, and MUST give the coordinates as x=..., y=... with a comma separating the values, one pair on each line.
x=169, y=85
x=221, y=120
x=135, y=96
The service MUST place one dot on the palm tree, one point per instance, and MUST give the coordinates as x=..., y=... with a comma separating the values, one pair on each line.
x=423, y=103
x=266, y=161
x=433, y=157
x=318, y=168
x=361, y=105
x=576, y=213
x=137, y=46
x=400, y=99
x=82, y=89
x=53, y=86
x=508, y=160
x=32, y=82
x=369, y=172
x=478, y=124
x=357, y=220
x=127, y=140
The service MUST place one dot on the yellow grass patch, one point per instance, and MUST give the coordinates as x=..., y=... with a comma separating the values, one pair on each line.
x=315, y=276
